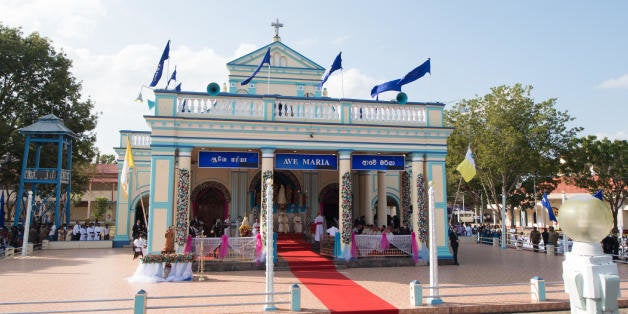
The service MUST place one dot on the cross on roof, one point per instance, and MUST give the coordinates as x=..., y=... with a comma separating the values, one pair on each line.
x=276, y=25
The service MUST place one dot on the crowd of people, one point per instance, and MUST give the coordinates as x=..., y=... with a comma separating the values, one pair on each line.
x=87, y=231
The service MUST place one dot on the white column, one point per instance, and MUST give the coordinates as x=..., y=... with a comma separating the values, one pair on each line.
x=344, y=167
x=381, y=199
x=434, y=297
x=368, y=210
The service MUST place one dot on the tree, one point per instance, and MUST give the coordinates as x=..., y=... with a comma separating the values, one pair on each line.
x=595, y=165
x=511, y=137
x=102, y=203
x=35, y=81
x=107, y=159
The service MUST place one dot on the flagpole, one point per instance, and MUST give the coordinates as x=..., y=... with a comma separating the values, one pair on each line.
x=268, y=81
x=342, y=82
x=455, y=200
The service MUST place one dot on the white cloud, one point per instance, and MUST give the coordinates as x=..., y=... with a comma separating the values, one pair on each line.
x=59, y=19
x=114, y=80
x=620, y=82
x=354, y=83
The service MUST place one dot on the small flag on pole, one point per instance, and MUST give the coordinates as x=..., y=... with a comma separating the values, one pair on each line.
x=265, y=60
x=416, y=73
x=467, y=166
x=126, y=168
x=392, y=85
x=160, y=66
x=173, y=77
x=599, y=195
x=546, y=204
x=336, y=65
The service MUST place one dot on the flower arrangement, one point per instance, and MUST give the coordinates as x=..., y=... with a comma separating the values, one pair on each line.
x=268, y=174
x=183, y=196
x=167, y=258
x=347, y=207
x=245, y=231
x=406, y=205
x=423, y=210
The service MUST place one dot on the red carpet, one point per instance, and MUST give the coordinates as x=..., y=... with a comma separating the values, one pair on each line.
x=337, y=292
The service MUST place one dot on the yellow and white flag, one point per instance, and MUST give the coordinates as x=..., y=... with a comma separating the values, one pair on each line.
x=126, y=168
x=467, y=166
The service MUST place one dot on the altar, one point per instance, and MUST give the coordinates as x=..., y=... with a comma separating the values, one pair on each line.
x=163, y=267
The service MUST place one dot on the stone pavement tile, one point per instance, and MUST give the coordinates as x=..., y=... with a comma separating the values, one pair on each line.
x=101, y=274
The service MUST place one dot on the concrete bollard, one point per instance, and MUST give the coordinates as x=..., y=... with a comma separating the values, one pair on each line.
x=537, y=289
x=140, y=302
x=495, y=241
x=295, y=298
x=10, y=251
x=416, y=293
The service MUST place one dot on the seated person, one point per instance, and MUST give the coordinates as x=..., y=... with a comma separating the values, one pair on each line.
x=141, y=244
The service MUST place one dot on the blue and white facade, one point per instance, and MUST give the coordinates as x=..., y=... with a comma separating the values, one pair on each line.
x=206, y=157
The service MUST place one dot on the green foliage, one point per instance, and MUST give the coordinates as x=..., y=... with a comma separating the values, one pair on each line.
x=595, y=164
x=100, y=207
x=107, y=159
x=511, y=137
x=35, y=80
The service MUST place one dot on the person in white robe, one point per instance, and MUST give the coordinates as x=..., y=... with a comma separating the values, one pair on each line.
x=141, y=243
x=83, y=232
x=318, y=221
x=298, y=224
x=98, y=232
x=90, y=232
x=256, y=227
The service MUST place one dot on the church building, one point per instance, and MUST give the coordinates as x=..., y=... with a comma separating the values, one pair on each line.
x=209, y=154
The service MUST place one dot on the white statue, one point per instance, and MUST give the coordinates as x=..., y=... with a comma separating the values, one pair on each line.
x=298, y=224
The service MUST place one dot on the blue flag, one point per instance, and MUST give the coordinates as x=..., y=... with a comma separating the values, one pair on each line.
x=547, y=205
x=265, y=60
x=160, y=67
x=334, y=66
x=416, y=73
x=178, y=87
x=2, y=209
x=598, y=195
x=392, y=85
x=173, y=77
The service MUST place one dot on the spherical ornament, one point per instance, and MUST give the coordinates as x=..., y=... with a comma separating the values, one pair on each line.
x=585, y=219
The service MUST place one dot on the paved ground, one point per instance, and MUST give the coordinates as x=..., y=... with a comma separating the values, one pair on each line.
x=91, y=274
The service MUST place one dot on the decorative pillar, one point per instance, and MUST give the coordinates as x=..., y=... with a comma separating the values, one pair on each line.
x=182, y=214
x=346, y=206
x=268, y=157
x=381, y=199
x=417, y=169
x=162, y=203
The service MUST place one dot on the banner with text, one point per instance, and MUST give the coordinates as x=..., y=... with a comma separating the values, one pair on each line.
x=228, y=160
x=377, y=162
x=306, y=162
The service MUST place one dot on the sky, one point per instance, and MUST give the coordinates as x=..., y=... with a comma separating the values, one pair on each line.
x=574, y=51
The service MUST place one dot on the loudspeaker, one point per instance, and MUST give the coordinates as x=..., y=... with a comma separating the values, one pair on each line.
x=213, y=89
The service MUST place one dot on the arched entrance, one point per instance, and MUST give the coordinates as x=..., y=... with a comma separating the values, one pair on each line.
x=392, y=212
x=141, y=210
x=210, y=202
x=292, y=188
x=328, y=202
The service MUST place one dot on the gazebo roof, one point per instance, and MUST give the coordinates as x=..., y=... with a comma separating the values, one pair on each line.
x=49, y=124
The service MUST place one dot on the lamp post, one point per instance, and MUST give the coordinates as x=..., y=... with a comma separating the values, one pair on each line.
x=270, y=304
